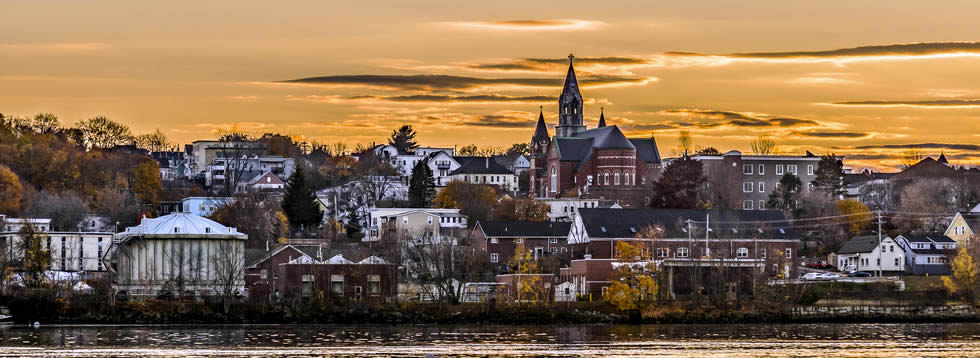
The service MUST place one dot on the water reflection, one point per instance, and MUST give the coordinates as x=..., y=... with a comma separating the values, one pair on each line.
x=940, y=339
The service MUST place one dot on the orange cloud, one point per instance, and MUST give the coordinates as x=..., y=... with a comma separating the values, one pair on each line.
x=528, y=25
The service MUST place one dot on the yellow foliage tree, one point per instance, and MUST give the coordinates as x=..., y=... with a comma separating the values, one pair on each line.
x=473, y=200
x=526, y=266
x=634, y=283
x=965, y=275
x=520, y=209
x=282, y=227
x=146, y=182
x=858, y=215
x=10, y=191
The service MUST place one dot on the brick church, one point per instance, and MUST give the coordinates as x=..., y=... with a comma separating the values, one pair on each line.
x=599, y=163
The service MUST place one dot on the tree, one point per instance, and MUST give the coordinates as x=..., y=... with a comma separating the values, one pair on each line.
x=520, y=209
x=925, y=204
x=66, y=210
x=118, y=205
x=37, y=259
x=528, y=282
x=685, y=142
x=11, y=191
x=707, y=151
x=679, y=185
x=524, y=181
x=830, y=176
x=856, y=215
x=421, y=185
x=965, y=275
x=784, y=197
x=441, y=265
x=353, y=226
x=228, y=260
x=235, y=149
x=403, y=139
x=519, y=148
x=281, y=145
x=43, y=123
x=634, y=281
x=253, y=215
x=155, y=141
x=102, y=133
x=469, y=150
x=911, y=156
x=299, y=202
x=474, y=200
x=763, y=145
x=147, y=185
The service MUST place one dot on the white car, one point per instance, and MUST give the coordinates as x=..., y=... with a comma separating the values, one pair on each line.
x=811, y=276
x=827, y=276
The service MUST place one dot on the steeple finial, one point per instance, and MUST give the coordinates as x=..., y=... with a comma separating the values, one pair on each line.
x=571, y=57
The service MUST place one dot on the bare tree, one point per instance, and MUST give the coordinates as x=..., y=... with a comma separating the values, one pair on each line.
x=764, y=145
x=235, y=149
x=911, y=156
x=155, y=141
x=442, y=264
x=102, y=133
x=228, y=264
x=686, y=142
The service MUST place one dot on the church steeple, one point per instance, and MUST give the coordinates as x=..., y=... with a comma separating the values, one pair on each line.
x=602, y=117
x=541, y=131
x=569, y=105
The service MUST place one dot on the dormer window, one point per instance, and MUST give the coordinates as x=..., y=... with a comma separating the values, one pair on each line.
x=176, y=229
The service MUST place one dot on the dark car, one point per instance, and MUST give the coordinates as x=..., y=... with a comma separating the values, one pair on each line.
x=122, y=296
x=859, y=274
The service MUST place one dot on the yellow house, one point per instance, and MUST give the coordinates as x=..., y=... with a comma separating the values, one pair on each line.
x=964, y=227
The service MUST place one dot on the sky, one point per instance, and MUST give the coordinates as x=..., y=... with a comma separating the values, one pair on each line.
x=864, y=79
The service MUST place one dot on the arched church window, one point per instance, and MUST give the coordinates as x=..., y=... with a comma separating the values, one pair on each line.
x=616, y=175
x=626, y=178
x=554, y=179
x=605, y=178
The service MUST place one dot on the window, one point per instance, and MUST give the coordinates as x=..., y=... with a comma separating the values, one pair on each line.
x=762, y=253
x=746, y=204
x=553, y=240
x=747, y=187
x=762, y=169
x=626, y=178
x=779, y=169
x=554, y=250
x=554, y=179
x=264, y=274
x=430, y=220
x=762, y=187
x=747, y=169
x=494, y=240
x=809, y=169
x=791, y=168
x=891, y=248
x=682, y=252
x=494, y=257
x=337, y=284
x=742, y=252
x=896, y=261
x=762, y=205
x=789, y=253
x=616, y=175
x=605, y=178
x=519, y=240
x=662, y=252
x=374, y=285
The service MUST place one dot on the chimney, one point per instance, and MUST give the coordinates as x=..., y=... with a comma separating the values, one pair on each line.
x=488, y=162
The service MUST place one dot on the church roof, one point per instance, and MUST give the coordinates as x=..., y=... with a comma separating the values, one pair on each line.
x=541, y=132
x=570, y=89
x=573, y=148
x=646, y=149
x=609, y=137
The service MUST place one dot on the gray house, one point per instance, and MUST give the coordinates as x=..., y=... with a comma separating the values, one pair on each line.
x=927, y=254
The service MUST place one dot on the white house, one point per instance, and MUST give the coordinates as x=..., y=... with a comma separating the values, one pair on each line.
x=70, y=251
x=565, y=209
x=261, y=182
x=927, y=254
x=484, y=170
x=203, y=205
x=179, y=253
x=866, y=253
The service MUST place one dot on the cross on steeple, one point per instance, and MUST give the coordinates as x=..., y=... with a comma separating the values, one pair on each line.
x=571, y=57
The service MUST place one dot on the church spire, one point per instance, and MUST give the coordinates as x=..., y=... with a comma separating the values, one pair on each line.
x=602, y=117
x=942, y=158
x=570, y=105
x=541, y=132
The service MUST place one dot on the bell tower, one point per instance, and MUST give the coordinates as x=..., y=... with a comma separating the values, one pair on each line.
x=569, y=105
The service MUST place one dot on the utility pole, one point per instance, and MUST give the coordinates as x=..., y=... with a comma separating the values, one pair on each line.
x=880, y=249
x=707, y=227
x=689, y=238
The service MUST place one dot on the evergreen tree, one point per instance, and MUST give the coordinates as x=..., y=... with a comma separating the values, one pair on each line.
x=403, y=139
x=678, y=187
x=785, y=196
x=830, y=176
x=353, y=226
x=299, y=202
x=421, y=185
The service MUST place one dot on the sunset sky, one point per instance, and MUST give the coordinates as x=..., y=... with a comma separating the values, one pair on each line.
x=862, y=78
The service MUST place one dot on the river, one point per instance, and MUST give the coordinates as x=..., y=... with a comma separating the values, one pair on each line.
x=687, y=340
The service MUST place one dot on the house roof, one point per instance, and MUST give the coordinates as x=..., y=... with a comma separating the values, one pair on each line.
x=183, y=225
x=572, y=148
x=931, y=240
x=525, y=228
x=972, y=219
x=484, y=166
x=741, y=224
x=859, y=245
x=926, y=168
x=257, y=178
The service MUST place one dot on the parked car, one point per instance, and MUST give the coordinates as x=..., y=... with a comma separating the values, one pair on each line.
x=858, y=274
x=821, y=265
x=810, y=276
x=827, y=276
